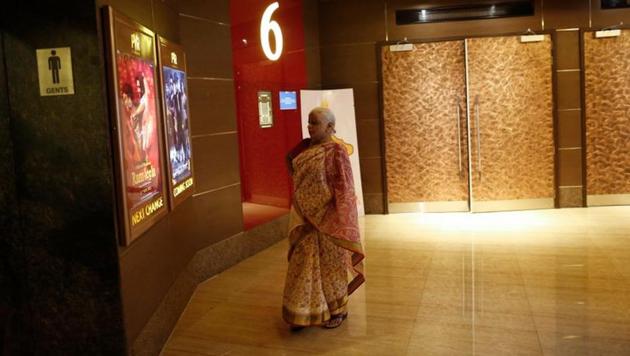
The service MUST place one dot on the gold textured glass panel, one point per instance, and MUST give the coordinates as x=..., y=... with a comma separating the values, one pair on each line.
x=607, y=69
x=425, y=123
x=511, y=120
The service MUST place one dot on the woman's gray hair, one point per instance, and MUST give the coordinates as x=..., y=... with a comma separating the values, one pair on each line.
x=325, y=113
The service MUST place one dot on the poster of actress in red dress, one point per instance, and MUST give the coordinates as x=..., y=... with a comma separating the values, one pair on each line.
x=140, y=178
x=136, y=87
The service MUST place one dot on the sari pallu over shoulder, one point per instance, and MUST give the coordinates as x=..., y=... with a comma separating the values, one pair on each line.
x=336, y=215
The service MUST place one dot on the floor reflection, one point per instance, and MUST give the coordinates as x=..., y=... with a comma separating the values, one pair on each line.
x=552, y=282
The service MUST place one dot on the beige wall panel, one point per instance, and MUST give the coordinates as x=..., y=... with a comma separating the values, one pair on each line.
x=602, y=18
x=166, y=20
x=373, y=203
x=569, y=129
x=138, y=10
x=421, y=91
x=607, y=120
x=208, y=48
x=212, y=106
x=369, y=136
x=570, y=197
x=215, y=10
x=371, y=175
x=351, y=21
x=569, y=95
x=565, y=13
x=512, y=81
x=216, y=163
x=346, y=65
x=567, y=50
x=366, y=102
x=313, y=68
x=570, y=167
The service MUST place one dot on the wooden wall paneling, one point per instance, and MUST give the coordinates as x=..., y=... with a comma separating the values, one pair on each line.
x=569, y=100
x=562, y=14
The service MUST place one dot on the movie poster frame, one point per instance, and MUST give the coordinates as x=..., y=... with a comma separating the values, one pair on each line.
x=165, y=49
x=156, y=208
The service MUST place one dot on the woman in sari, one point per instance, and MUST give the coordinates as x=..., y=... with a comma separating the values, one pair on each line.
x=325, y=251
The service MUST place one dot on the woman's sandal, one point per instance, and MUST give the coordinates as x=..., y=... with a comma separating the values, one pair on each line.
x=335, y=321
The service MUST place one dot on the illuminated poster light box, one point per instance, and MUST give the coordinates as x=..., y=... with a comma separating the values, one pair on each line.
x=176, y=115
x=288, y=100
x=137, y=132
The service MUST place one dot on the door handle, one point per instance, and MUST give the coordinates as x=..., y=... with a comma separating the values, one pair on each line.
x=477, y=123
x=459, y=139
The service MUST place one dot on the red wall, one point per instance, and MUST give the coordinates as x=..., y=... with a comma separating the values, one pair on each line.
x=264, y=176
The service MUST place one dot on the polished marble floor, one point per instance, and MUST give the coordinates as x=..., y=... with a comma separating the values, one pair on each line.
x=546, y=282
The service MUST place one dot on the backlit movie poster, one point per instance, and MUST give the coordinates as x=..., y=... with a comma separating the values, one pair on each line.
x=136, y=88
x=176, y=120
x=178, y=127
x=137, y=125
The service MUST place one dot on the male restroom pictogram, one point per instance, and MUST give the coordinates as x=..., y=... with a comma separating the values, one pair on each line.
x=54, y=69
x=54, y=65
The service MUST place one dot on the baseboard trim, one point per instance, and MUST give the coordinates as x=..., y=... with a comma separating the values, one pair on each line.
x=511, y=205
x=607, y=199
x=429, y=207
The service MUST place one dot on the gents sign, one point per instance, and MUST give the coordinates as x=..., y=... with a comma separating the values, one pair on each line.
x=54, y=66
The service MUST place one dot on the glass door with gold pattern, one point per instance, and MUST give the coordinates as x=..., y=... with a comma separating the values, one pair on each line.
x=426, y=149
x=607, y=92
x=511, y=123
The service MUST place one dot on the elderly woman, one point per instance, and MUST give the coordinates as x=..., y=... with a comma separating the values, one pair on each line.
x=323, y=231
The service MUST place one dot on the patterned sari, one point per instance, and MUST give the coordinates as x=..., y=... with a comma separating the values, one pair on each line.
x=325, y=253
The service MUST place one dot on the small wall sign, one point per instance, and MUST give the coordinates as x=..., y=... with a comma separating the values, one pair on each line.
x=265, y=112
x=54, y=66
x=288, y=100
